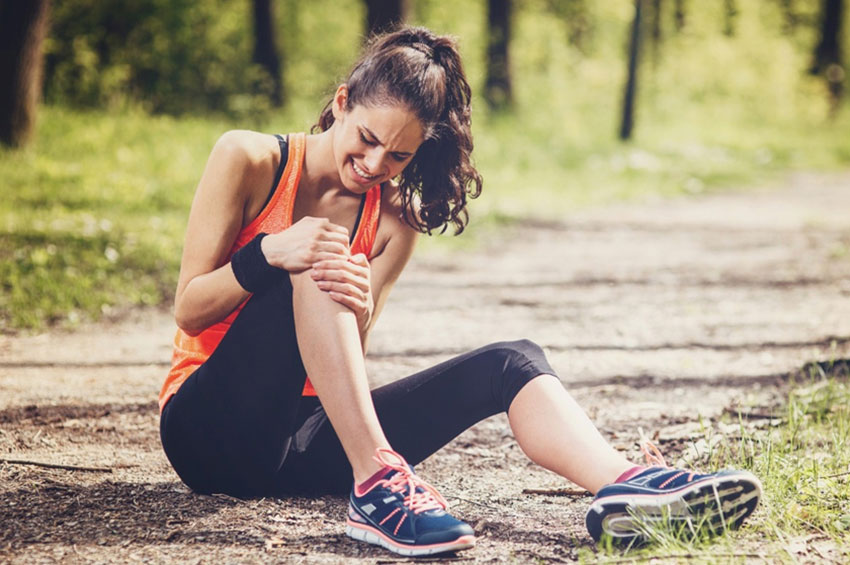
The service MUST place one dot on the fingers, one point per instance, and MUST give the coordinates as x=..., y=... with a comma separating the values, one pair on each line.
x=341, y=278
x=360, y=259
x=333, y=264
x=353, y=292
x=353, y=304
x=345, y=280
x=329, y=250
x=326, y=230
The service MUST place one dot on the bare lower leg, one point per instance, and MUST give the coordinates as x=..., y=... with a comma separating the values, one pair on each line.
x=555, y=433
x=329, y=342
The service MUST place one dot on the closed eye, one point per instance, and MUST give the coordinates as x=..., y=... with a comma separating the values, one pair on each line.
x=369, y=142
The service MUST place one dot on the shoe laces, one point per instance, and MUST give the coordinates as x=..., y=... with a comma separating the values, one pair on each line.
x=420, y=496
x=654, y=457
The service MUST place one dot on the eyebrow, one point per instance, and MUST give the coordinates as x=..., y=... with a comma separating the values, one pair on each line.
x=375, y=137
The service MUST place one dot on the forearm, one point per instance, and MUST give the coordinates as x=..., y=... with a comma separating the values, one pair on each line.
x=208, y=299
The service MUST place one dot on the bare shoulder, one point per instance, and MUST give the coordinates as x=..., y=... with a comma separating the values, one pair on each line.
x=248, y=148
x=393, y=226
x=240, y=170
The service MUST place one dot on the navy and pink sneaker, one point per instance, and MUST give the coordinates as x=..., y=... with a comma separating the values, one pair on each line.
x=689, y=503
x=404, y=514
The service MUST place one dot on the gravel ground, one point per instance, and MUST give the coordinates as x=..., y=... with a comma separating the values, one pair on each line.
x=654, y=314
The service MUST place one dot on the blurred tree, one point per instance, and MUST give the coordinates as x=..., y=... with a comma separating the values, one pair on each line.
x=383, y=15
x=654, y=15
x=23, y=25
x=827, y=55
x=627, y=123
x=655, y=24
x=576, y=17
x=730, y=12
x=169, y=56
x=497, y=87
x=789, y=16
x=265, y=48
x=679, y=14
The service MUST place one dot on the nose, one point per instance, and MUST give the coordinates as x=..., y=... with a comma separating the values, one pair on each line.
x=374, y=160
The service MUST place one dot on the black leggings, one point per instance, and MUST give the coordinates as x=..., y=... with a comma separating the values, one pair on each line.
x=240, y=426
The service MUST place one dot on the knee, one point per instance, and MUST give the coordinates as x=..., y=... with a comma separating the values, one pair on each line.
x=518, y=354
x=515, y=363
x=528, y=348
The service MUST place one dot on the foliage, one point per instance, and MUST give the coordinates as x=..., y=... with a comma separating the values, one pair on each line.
x=170, y=56
x=92, y=214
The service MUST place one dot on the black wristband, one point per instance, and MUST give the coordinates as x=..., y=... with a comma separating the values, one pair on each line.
x=251, y=268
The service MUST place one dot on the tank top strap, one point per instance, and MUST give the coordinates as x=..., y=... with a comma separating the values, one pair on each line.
x=280, y=212
x=368, y=226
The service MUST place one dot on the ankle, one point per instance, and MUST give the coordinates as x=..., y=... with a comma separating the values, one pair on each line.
x=366, y=467
x=361, y=488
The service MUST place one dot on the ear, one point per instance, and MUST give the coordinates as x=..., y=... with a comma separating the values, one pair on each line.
x=340, y=103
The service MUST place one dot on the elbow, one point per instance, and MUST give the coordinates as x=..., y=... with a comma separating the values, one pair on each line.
x=188, y=325
x=186, y=322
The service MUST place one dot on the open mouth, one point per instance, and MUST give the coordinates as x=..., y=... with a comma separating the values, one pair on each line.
x=361, y=173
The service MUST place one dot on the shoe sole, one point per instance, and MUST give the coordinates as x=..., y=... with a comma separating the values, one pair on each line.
x=710, y=506
x=362, y=532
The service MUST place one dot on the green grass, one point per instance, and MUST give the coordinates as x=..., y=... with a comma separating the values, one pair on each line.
x=92, y=214
x=803, y=461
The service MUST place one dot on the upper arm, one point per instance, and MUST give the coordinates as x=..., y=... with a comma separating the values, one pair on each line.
x=388, y=264
x=217, y=212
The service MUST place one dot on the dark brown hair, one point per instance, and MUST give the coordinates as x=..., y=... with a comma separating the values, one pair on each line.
x=423, y=71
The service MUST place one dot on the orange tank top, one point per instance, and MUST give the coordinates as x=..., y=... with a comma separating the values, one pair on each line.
x=191, y=351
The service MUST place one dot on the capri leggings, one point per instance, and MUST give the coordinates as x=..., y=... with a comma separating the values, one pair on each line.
x=239, y=425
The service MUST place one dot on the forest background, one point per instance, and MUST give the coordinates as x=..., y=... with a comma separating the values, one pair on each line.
x=131, y=96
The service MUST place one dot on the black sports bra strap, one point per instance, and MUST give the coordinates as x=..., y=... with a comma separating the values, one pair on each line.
x=357, y=221
x=284, y=157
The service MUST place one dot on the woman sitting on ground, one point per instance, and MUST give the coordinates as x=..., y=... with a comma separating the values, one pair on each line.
x=292, y=246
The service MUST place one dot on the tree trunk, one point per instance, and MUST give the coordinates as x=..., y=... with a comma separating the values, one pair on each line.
x=827, y=56
x=385, y=15
x=627, y=124
x=497, y=87
x=679, y=15
x=23, y=25
x=730, y=12
x=655, y=26
x=265, y=48
x=654, y=17
x=828, y=49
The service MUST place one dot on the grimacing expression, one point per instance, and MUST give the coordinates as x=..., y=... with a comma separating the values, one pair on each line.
x=373, y=144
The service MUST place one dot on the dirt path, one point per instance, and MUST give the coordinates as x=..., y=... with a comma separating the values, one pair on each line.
x=653, y=314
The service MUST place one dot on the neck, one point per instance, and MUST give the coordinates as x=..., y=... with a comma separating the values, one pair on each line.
x=319, y=174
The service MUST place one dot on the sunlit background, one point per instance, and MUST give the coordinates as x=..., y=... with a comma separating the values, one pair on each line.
x=729, y=94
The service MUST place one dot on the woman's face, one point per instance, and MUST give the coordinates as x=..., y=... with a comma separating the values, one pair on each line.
x=372, y=144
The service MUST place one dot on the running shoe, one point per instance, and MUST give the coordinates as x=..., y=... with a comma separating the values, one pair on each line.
x=404, y=514
x=688, y=503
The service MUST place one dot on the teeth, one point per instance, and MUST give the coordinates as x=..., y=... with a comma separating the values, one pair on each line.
x=361, y=172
